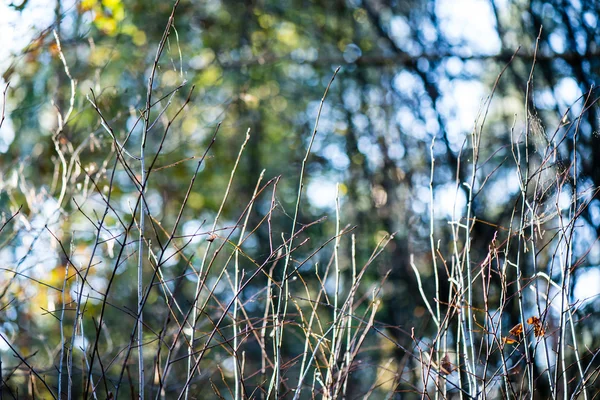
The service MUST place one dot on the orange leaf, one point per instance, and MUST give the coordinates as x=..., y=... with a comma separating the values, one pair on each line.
x=539, y=331
x=516, y=330
x=538, y=328
x=509, y=340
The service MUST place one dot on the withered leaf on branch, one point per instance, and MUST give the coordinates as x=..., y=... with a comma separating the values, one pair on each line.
x=538, y=327
x=516, y=330
x=446, y=366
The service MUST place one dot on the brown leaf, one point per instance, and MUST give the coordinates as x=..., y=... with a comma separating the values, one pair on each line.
x=509, y=340
x=516, y=330
x=538, y=328
x=446, y=368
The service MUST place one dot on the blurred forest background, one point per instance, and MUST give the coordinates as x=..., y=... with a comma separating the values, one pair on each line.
x=415, y=85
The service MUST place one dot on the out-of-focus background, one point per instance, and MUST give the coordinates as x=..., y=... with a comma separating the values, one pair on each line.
x=415, y=85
